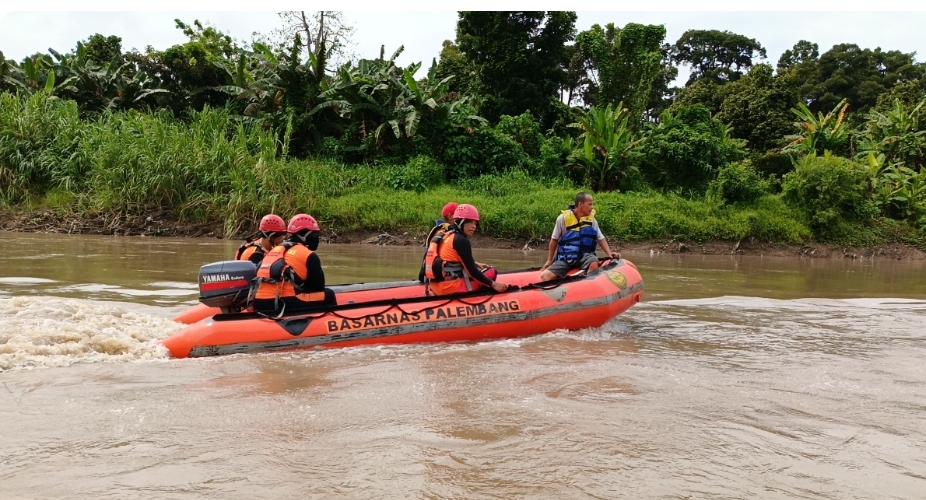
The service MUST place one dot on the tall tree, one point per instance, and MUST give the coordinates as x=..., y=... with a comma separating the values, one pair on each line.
x=576, y=86
x=453, y=63
x=518, y=57
x=721, y=56
x=802, y=52
x=909, y=93
x=326, y=37
x=849, y=72
x=758, y=108
x=624, y=62
x=662, y=94
x=190, y=72
x=705, y=92
x=103, y=49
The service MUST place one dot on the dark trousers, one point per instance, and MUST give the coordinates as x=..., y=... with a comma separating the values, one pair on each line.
x=293, y=303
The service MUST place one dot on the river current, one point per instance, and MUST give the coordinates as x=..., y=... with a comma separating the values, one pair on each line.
x=735, y=377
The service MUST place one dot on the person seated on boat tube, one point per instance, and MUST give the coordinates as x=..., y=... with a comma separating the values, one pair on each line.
x=440, y=226
x=272, y=231
x=449, y=264
x=572, y=245
x=291, y=276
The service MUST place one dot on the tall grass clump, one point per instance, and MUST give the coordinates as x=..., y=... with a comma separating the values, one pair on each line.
x=155, y=160
x=40, y=150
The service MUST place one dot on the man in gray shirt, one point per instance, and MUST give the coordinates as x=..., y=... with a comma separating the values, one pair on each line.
x=572, y=244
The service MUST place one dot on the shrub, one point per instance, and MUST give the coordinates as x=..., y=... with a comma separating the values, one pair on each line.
x=479, y=151
x=524, y=130
x=738, y=183
x=420, y=173
x=829, y=190
x=554, y=153
x=772, y=163
x=687, y=149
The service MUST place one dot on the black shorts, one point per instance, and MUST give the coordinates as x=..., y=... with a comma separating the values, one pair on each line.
x=561, y=267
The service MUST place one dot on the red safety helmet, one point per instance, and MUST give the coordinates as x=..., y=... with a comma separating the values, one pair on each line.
x=272, y=224
x=302, y=221
x=467, y=212
x=448, y=210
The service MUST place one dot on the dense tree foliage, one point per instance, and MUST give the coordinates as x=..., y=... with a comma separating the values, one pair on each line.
x=757, y=108
x=720, y=56
x=625, y=61
x=849, y=72
x=517, y=56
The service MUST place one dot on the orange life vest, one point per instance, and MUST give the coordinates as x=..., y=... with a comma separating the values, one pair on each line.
x=443, y=266
x=247, y=249
x=282, y=271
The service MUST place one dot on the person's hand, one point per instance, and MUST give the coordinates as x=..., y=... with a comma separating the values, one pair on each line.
x=482, y=266
x=499, y=287
x=545, y=265
x=615, y=255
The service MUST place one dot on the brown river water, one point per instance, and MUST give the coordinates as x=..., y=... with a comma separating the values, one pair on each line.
x=736, y=377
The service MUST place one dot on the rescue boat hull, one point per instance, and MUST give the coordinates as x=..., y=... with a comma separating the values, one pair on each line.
x=571, y=304
x=365, y=292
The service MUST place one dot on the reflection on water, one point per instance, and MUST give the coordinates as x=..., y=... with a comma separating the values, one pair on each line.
x=738, y=377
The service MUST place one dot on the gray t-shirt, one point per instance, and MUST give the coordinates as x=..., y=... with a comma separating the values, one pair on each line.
x=560, y=227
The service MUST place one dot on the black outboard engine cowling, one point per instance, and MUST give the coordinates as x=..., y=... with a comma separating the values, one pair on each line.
x=226, y=284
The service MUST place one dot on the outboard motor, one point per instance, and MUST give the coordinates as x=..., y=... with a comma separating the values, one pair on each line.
x=226, y=284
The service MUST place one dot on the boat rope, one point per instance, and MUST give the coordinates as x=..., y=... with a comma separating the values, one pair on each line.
x=318, y=311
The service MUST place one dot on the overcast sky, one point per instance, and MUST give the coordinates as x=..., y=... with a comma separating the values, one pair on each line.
x=25, y=33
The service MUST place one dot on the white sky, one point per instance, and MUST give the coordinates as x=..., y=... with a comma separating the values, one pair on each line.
x=25, y=33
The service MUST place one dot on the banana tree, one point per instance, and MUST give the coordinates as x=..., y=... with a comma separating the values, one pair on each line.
x=377, y=95
x=254, y=79
x=607, y=146
x=819, y=133
x=907, y=191
x=897, y=134
x=897, y=190
x=367, y=95
x=38, y=73
x=93, y=86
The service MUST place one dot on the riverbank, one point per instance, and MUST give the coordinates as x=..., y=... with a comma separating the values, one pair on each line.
x=163, y=225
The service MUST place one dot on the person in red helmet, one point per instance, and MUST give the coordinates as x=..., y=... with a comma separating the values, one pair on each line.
x=449, y=264
x=272, y=230
x=446, y=213
x=440, y=226
x=290, y=276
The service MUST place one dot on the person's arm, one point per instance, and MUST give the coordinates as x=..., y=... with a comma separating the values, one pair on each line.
x=257, y=257
x=550, y=254
x=465, y=251
x=316, y=279
x=421, y=275
x=603, y=243
x=558, y=228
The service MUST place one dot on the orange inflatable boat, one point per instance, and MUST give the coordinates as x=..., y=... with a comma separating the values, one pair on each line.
x=572, y=303
x=347, y=293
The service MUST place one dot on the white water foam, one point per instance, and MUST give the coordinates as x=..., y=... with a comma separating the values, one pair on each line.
x=52, y=331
